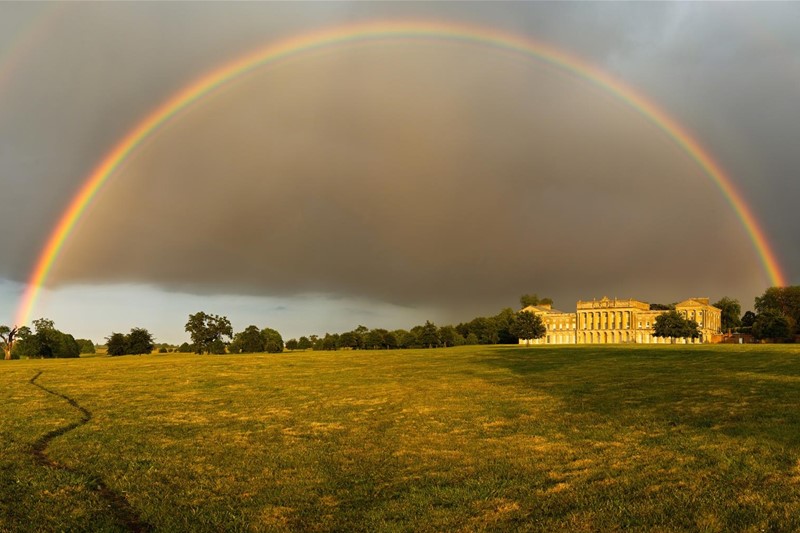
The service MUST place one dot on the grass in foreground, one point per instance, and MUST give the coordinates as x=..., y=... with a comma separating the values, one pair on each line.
x=562, y=438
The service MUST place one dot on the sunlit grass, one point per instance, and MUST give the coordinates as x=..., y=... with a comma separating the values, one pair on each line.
x=567, y=438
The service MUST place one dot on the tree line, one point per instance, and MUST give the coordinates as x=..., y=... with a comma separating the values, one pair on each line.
x=776, y=318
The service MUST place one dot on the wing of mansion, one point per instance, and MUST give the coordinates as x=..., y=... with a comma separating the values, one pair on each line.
x=608, y=321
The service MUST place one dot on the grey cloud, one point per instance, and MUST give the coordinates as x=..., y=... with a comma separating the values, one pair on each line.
x=374, y=173
x=448, y=175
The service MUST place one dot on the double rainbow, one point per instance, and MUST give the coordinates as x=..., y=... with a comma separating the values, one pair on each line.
x=383, y=31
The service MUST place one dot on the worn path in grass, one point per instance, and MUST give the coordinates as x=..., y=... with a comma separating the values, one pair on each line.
x=123, y=512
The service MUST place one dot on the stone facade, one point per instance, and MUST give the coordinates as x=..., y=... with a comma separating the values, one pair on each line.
x=608, y=321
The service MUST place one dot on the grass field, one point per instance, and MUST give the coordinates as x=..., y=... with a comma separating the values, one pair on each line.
x=498, y=438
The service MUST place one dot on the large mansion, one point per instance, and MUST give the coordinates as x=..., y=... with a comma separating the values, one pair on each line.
x=609, y=321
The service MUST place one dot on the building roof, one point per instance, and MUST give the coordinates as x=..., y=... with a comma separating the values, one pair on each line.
x=695, y=302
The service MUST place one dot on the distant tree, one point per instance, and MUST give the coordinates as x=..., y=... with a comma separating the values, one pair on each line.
x=330, y=342
x=360, y=333
x=503, y=323
x=673, y=324
x=662, y=307
x=304, y=343
x=349, y=340
x=217, y=347
x=139, y=341
x=163, y=350
x=447, y=336
x=316, y=342
x=185, y=348
x=86, y=346
x=405, y=339
x=390, y=340
x=772, y=324
x=748, y=319
x=532, y=299
x=785, y=300
x=7, y=338
x=116, y=344
x=247, y=341
x=528, y=326
x=730, y=313
x=273, y=342
x=47, y=342
x=25, y=344
x=206, y=329
x=485, y=330
x=373, y=340
x=472, y=340
x=429, y=335
x=292, y=344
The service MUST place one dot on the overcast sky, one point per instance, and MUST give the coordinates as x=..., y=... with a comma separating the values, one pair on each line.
x=390, y=184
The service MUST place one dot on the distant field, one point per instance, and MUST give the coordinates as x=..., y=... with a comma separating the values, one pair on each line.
x=504, y=438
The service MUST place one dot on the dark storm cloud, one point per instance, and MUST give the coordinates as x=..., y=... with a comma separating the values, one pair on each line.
x=444, y=175
x=374, y=173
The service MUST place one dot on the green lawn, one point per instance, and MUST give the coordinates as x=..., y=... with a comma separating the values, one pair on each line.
x=498, y=438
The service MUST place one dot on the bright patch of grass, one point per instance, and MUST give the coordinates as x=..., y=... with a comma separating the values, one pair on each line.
x=562, y=438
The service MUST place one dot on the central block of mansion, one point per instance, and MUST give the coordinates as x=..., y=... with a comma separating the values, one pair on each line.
x=615, y=321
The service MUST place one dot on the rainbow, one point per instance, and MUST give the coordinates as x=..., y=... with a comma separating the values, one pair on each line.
x=376, y=32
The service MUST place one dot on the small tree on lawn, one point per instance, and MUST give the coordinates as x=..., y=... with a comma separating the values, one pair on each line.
x=116, y=344
x=273, y=342
x=207, y=331
x=672, y=324
x=528, y=326
x=7, y=335
x=139, y=341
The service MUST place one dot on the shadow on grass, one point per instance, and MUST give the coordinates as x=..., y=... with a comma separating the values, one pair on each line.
x=737, y=393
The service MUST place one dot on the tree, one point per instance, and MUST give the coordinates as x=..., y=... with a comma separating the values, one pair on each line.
x=348, y=339
x=273, y=342
x=205, y=330
x=730, y=313
x=532, y=299
x=360, y=332
x=673, y=324
x=248, y=341
x=448, y=336
x=292, y=344
x=748, y=319
x=330, y=342
x=771, y=324
x=662, y=307
x=217, y=347
x=86, y=346
x=139, y=341
x=785, y=300
x=390, y=340
x=373, y=340
x=405, y=339
x=47, y=342
x=304, y=343
x=116, y=344
x=484, y=329
x=528, y=326
x=429, y=335
x=8, y=336
x=503, y=322
x=185, y=348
